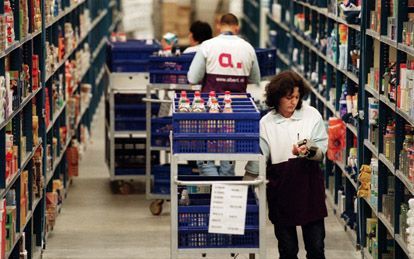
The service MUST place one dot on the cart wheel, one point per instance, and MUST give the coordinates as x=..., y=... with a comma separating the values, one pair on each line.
x=156, y=207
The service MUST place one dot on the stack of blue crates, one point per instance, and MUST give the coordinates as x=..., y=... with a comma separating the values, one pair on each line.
x=170, y=70
x=236, y=132
x=131, y=56
x=193, y=223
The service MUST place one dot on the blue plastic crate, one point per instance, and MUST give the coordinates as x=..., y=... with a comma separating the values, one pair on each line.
x=236, y=132
x=267, y=61
x=203, y=239
x=176, y=63
x=162, y=174
x=168, y=77
x=138, y=110
x=133, y=49
x=160, y=131
x=193, y=223
x=130, y=65
x=130, y=124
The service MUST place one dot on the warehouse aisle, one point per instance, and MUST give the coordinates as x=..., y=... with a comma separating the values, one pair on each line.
x=94, y=223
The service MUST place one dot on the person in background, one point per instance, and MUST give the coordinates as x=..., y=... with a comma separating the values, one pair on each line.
x=293, y=140
x=224, y=63
x=199, y=32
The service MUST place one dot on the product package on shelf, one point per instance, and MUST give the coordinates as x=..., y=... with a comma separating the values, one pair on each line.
x=24, y=18
x=3, y=220
x=51, y=210
x=38, y=178
x=72, y=157
x=58, y=188
x=35, y=72
x=24, y=197
x=372, y=236
x=9, y=18
x=36, y=18
x=11, y=218
x=11, y=155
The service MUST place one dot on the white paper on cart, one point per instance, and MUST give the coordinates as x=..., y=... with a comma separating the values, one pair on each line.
x=228, y=209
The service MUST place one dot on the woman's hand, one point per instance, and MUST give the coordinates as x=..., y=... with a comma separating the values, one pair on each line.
x=300, y=151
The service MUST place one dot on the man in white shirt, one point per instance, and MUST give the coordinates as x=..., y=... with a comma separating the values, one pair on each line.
x=226, y=62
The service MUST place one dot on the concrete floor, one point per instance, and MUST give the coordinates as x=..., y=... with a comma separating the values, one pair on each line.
x=95, y=223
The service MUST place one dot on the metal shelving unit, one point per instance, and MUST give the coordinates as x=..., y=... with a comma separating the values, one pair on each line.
x=377, y=50
x=123, y=84
x=26, y=105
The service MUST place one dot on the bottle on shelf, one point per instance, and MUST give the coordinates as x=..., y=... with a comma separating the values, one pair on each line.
x=389, y=141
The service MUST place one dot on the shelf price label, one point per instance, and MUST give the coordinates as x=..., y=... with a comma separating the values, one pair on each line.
x=228, y=209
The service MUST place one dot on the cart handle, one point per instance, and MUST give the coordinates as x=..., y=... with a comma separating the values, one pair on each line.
x=156, y=100
x=257, y=181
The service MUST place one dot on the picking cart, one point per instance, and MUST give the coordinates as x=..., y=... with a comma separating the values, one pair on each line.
x=214, y=136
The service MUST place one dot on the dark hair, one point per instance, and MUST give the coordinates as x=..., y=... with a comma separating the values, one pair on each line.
x=283, y=85
x=201, y=31
x=229, y=19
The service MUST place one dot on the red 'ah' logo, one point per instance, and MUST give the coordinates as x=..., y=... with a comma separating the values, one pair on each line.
x=225, y=61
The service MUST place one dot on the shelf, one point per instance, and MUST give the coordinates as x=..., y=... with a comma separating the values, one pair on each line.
x=387, y=224
x=112, y=4
x=100, y=76
x=35, y=203
x=160, y=148
x=387, y=40
x=324, y=12
x=330, y=107
x=407, y=49
x=282, y=57
x=254, y=3
x=387, y=163
x=405, y=116
x=371, y=147
x=79, y=43
x=99, y=48
x=20, y=108
x=372, y=91
x=373, y=34
x=80, y=79
x=18, y=43
x=251, y=24
x=65, y=12
x=55, y=117
x=405, y=181
x=18, y=236
x=115, y=23
x=280, y=24
x=385, y=100
x=49, y=175
x=350, y=75
x=83, y=111
x=402, y=244
x=352, y=128
x=345, y=172
x=130, y=134
x=371, y=206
